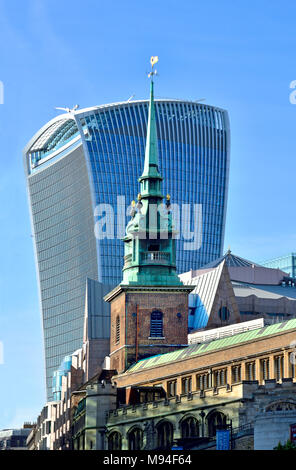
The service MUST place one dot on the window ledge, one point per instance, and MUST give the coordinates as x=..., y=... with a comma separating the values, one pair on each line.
x=156, y=337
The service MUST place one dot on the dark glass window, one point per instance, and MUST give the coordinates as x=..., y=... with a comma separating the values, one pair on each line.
x=114, y=441
x=279, y=367
x=165, y=434
x=224, y=313
x=220, y=377
x=189, y=428
x=156, y=324
x=264, y=365
x=186, y=385
x=135, y=439
x=215, y=420
x=172, y=388
x=236, y=374
x=203, y=381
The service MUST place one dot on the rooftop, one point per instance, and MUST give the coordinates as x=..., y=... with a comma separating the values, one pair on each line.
x=263, y=291
x=217, y=344
x=231, y=260
x=63, y=126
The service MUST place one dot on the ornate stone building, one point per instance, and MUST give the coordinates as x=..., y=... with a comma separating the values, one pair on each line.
x=163, y=400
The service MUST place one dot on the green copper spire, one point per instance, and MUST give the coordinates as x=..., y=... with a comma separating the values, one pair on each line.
x=150, y=252
x=151, y=153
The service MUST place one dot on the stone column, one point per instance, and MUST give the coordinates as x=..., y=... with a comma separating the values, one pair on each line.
x=124, y=441
x=244, y=371
x=258, y=372
x=202, y=420
x=271, y=367
x=179, y=386
x=287, y=368
x=177, y=429
x=150, y=435
x=229, y=375
x=194, y=383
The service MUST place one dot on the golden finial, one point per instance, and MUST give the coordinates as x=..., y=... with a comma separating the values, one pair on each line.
x=153, y=61
x=168, y=197
x=139, y=197
x=133, y=203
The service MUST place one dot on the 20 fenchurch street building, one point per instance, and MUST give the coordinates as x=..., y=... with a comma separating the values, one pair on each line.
x=91, y=156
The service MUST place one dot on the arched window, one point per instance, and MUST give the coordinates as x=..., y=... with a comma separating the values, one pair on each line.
x=224, y=313
x=135, y=439
x=281, y=406
x=156, y=324
x=189, y=427
x=114, y=441
x=117, y=330
x=215, y=419
x=165, y=434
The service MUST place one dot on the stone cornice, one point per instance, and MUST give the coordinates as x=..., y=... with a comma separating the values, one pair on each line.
x=146, y=289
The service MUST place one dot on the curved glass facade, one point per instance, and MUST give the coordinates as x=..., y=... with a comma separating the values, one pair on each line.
x=78, y=161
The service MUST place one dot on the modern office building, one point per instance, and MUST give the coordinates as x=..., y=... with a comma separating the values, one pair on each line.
x=15, y=439
x=285, y=263
x=91, y=156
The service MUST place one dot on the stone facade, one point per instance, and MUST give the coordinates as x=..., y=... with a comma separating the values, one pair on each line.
x=239, y=404
x=162, y=423
x=90, y=416
x=150, y=416
x=273, y=427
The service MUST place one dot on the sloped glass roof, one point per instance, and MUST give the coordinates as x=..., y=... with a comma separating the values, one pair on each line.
x=58, y=133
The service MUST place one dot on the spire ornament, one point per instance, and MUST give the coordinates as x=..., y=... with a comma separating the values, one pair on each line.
x=151, y=171
x=153, y=61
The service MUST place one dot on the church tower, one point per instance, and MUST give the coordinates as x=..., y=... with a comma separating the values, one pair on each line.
x=149, y=309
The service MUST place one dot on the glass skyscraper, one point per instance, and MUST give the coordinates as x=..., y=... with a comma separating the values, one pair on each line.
x=286, y=263
x=90, y=156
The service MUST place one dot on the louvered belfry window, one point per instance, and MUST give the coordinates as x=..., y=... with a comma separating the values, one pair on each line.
x=117, y=330
x=156, y=324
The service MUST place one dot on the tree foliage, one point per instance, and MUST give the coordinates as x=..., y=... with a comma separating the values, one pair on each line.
x=287, y=446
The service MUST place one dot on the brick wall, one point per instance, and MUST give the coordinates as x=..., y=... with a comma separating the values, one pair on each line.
x=255, y=350
x=134, y=311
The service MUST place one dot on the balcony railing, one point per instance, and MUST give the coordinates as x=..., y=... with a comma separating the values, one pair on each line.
x=156, y=257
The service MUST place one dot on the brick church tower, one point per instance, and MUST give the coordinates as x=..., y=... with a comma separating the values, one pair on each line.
x=149, y=309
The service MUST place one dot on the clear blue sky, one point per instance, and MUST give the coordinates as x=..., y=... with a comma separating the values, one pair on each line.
x=238, y=55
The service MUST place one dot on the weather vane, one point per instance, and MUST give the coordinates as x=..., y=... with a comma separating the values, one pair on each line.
x=153, y=61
